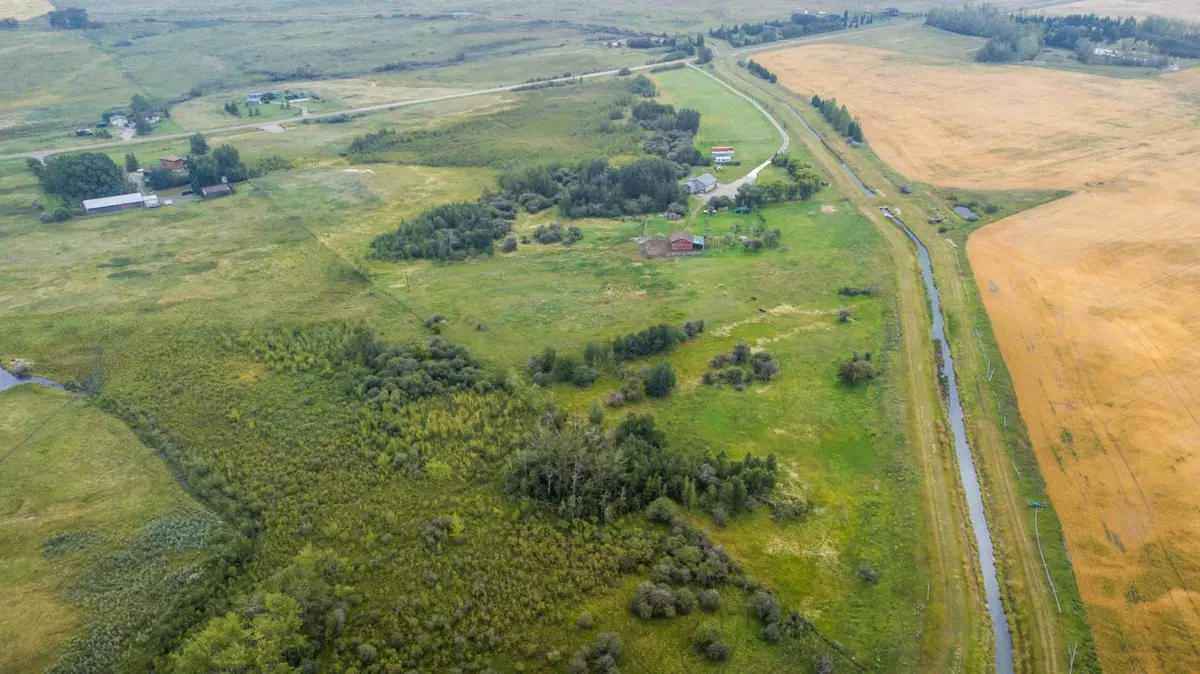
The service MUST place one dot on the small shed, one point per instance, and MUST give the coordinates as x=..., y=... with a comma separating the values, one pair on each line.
x=215, y=191
x=172, y=163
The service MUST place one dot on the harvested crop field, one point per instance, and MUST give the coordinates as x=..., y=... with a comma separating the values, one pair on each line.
x=1176, y=9
x=1094, y=300
x=23, y=9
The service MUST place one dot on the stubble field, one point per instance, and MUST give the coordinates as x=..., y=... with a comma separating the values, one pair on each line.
x=1175, y=9
x=1093, y=300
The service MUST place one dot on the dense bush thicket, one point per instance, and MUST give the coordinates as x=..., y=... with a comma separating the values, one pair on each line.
x=1008, y=41
x=383, y=373
x=741, y=367
x=672, y=132
x=450, y=232
x=586, y=470
x=839, y=117
x=75, y=177
x=596, y=189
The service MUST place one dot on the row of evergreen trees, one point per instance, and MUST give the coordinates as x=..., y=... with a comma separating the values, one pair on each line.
x=839, y=117
x=1009, y=41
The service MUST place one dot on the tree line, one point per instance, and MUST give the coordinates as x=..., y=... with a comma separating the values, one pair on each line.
x=1172, y=37
x=799, y=25
x=838, y=117
x=761, y=71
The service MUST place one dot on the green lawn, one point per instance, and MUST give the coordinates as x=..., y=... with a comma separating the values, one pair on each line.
x=725, y=119
x=72, y=472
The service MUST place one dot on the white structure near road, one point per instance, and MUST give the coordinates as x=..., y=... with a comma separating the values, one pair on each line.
x=121, y=202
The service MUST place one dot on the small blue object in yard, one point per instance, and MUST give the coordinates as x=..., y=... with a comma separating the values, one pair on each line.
x=1035, y=504
x=742, y=210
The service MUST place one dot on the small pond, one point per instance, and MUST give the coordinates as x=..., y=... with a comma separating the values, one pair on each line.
x=966, y=213
x=9, y=380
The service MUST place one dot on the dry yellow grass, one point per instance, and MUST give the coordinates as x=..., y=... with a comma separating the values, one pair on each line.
x=1176, y=9
x=23, y=9
x=1095, y=301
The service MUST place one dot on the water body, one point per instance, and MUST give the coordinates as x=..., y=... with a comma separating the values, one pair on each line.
x=966, y=464
x=966, y=213
x=866, y=190
x=9, y=380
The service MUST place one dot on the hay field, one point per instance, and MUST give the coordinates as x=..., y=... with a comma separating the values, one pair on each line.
x=1175, y=9
x=23, y=9
x=1093, y=299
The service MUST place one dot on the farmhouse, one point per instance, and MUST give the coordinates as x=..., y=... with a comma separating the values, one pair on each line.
x=254, y=98
x=118, y=121
x=122, y=202
x=722, y=154
x=172, y=163
x=701, y=184
x=215, y=191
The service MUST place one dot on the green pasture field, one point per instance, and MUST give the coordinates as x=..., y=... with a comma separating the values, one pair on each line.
x=54, y=81
x=724, y=120
x=73, y=472
x=163, y=302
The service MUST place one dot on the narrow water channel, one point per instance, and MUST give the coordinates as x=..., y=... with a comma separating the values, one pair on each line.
x=966, y=463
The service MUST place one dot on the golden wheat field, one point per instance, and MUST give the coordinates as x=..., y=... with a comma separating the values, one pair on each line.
x=23, y=9
x=1095, y=300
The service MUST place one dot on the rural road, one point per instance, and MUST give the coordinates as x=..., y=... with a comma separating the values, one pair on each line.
x=730, y=189
x=42, y=154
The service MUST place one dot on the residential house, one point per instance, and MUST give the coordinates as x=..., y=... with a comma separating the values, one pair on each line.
x=172, y=163
x=701, y=185
x=722, y=154
x=118, y=121
x=254, y=98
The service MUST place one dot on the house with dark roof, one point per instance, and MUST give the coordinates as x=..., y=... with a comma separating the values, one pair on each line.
x=701, y=184
x=215, y=191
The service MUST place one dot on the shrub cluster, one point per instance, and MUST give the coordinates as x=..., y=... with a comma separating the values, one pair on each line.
x=858, y=369
x=548, y=367
x=556, y=233
x=602, y=657
x=852, y=291
x=740, y=367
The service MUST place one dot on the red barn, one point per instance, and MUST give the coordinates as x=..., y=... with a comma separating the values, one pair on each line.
x=682, y=241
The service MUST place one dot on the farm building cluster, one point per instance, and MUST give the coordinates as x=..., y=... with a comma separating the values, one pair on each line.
x=678, y=244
